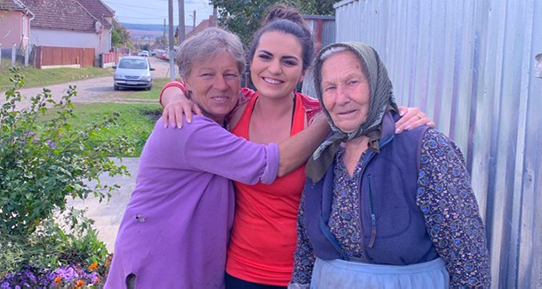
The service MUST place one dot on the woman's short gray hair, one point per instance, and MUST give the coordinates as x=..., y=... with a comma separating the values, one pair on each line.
x=206, y=45
x=331, y=51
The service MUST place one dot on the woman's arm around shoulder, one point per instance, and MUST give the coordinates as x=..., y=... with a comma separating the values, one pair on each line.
x=411, y=117
x=451, y=212
x=211, y=148
x=176, y=104
x=311, y=105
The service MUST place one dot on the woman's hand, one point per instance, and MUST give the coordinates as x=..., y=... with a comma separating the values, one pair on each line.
x=173, y=112
x=411, y=118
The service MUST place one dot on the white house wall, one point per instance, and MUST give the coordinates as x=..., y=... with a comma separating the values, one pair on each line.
x=471, y=66
x=106, y=41
x=14, y=29
x=61, y=38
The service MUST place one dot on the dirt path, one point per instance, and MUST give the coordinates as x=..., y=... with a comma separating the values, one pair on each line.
x=98, y=89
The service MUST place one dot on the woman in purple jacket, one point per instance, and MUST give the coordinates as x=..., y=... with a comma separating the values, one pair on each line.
x=176, y=227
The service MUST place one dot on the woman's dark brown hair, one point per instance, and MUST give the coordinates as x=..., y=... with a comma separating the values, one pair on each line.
x=280, y=17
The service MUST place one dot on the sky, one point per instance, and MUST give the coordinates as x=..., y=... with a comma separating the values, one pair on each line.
x=155, y=11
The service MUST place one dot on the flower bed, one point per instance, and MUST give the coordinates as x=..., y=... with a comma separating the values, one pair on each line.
x=71, y=276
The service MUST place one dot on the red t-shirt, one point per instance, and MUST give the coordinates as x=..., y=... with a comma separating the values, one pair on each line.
x=263, y=237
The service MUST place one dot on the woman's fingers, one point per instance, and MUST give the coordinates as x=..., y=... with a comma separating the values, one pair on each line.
x=412, y=118
x=165, y=117
x=181, y=109
x=174, y=111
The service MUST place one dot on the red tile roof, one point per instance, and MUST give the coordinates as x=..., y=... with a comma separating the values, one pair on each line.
x=201, y=26
x=99, y=10
x=11, y=5
x=61, y=15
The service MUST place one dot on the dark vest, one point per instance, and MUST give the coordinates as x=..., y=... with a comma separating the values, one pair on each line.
x=393, y=226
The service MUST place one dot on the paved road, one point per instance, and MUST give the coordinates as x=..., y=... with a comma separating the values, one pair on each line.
x=107, y=215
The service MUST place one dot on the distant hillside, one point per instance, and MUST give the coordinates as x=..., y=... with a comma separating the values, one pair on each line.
x=144, y=34
x=146, y=27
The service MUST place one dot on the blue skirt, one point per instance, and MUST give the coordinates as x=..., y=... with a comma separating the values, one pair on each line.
x=345, y=274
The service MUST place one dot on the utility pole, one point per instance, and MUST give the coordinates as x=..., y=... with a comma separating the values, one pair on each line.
x=181, y=22
x=215, y=17
x=194, y=23
x=171, y=52
x=165, y=39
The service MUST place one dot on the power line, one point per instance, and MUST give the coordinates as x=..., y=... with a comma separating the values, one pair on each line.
x=141, y=17
x=135, y=6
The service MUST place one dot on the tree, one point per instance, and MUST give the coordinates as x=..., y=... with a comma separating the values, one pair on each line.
x=120, y=37
x=145, y=46
x=161, y=41
x=316, y=7
x=243, y=17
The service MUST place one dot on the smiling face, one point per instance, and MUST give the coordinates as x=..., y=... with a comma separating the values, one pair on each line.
x=345, y=90
x=277, y=65
x=214, y=85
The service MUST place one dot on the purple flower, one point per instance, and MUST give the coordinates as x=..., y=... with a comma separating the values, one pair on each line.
x=51, y=144
x=32, y=277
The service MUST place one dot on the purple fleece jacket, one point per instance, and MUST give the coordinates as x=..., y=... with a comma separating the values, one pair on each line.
x=176, y=227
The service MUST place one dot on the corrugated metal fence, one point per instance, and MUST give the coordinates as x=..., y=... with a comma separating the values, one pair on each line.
x=471, y=66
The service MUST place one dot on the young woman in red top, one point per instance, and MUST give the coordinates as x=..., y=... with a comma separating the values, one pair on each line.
x=263, y=238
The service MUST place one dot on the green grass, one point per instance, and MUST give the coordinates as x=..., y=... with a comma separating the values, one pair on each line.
x=41, y=77
x=154, y=93
x=136, y=121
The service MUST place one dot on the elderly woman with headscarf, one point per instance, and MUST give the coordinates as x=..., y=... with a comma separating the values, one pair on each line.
x=176, y=227
x=383, y=210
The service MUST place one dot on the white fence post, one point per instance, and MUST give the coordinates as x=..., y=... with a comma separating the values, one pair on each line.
x=13, y=54
x=26, y=55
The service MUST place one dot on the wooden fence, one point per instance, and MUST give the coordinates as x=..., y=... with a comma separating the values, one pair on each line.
x=49, y=56
x=109, y=58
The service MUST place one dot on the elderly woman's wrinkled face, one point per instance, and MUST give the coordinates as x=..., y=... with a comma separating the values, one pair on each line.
x=346, y=90
x=214, y=85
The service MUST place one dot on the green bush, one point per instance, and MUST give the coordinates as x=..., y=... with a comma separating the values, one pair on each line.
x=41, y=165
x=53, y=245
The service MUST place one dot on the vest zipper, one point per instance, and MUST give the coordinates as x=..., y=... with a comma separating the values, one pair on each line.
x=368, y=157
x=384, y=142
x=372, y=212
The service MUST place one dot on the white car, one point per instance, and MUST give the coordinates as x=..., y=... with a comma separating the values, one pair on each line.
x=133, y=72
x=143, y=53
